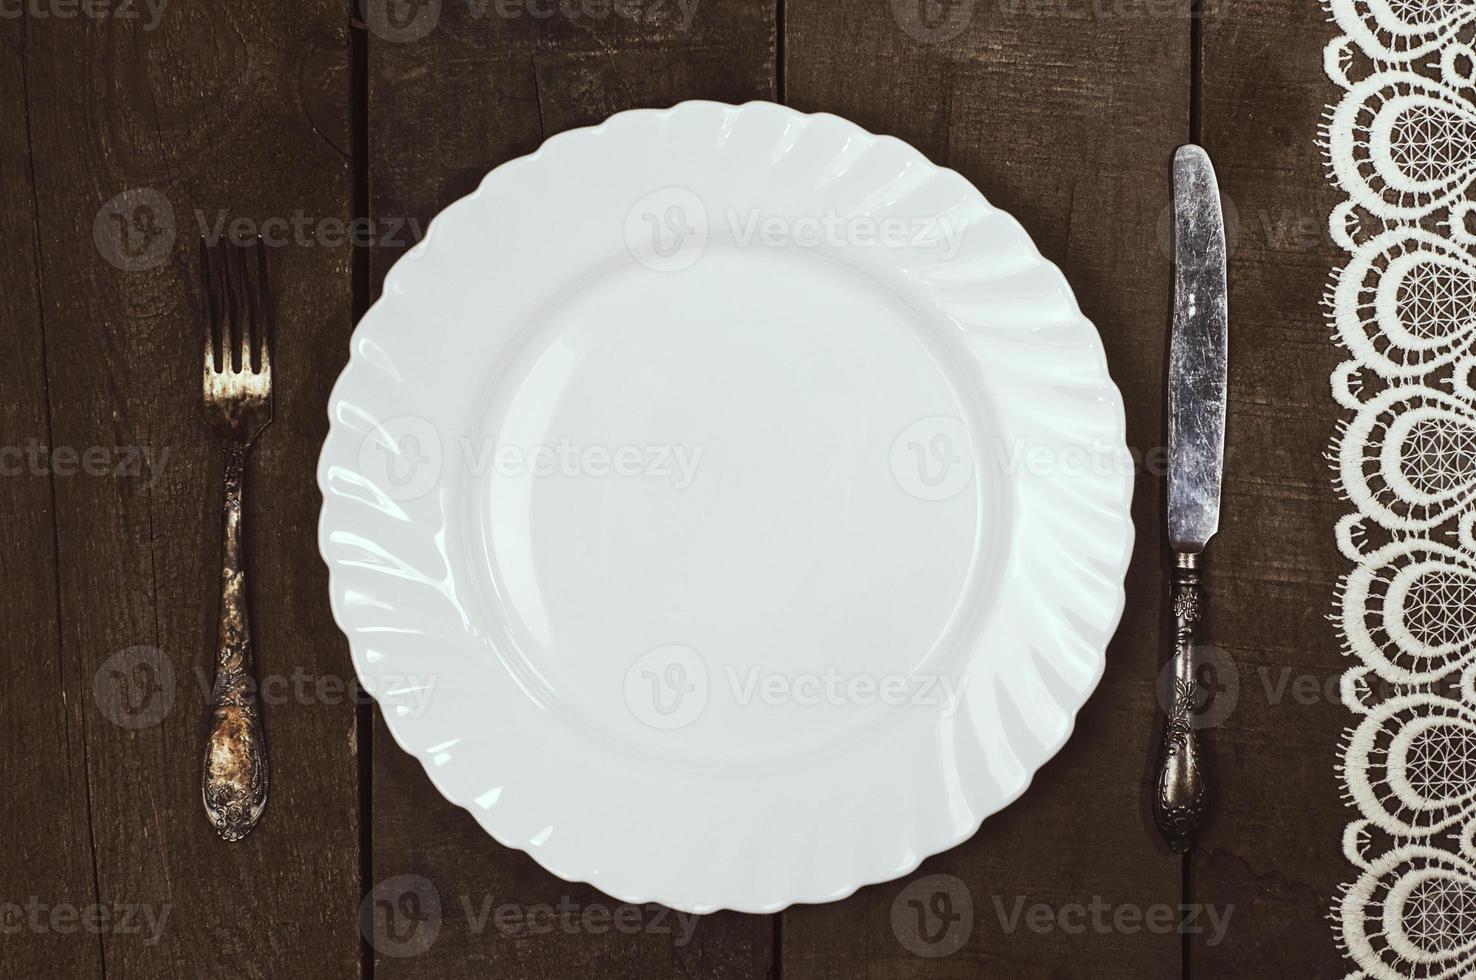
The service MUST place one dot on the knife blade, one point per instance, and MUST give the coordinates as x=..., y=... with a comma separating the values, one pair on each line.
x=1197, y=354
x=1198, y=358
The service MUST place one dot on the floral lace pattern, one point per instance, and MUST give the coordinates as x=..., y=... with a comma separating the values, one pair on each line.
x=1401, y=144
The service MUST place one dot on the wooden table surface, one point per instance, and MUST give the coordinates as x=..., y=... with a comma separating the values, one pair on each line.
x=294, y=117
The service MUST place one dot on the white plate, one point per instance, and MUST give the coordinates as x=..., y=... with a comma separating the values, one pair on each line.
x=727, y=506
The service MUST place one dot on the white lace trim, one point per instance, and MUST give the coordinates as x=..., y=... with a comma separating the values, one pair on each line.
x=1401, y=143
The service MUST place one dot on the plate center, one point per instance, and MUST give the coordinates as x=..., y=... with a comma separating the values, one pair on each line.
x=732, y=513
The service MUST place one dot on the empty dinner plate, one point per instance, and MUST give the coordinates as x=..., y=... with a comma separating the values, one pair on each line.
x=727, y=506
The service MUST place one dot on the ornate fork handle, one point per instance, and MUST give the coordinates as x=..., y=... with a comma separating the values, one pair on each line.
x=235, y=775
x=1182, y=795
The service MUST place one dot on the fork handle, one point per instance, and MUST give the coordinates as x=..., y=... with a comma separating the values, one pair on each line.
x=234, y=775
x=1181, y=792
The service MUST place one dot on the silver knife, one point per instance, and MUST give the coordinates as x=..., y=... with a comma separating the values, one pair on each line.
x=1197, y=359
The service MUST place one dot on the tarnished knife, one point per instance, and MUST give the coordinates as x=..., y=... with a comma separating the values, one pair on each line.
x=1196, y=444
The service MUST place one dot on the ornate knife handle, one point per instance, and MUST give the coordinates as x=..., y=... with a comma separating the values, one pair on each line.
x=1182, y=796
x=234, y=775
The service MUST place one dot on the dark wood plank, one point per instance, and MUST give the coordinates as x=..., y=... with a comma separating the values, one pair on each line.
x=1068, y=122
x=1274, y=850
x=47, y=863
x=217, y=110
x=472, y=91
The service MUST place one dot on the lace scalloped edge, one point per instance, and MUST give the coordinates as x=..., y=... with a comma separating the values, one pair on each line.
x=1399, y=143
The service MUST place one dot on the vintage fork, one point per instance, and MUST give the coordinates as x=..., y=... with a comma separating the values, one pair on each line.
x=238, y=405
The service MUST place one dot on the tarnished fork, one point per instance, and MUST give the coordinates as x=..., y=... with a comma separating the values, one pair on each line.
x=238, y=405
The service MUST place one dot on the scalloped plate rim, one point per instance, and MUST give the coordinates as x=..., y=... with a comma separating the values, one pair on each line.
x=422, y=250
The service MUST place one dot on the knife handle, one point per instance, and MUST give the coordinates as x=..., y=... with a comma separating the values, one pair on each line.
x=1182, y=795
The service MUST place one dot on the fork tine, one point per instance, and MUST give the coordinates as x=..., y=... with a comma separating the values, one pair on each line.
x=263, y=323
x=235, y=268
x=208, y=288
x=224, y=303
x=237, y=307
x=248, y=308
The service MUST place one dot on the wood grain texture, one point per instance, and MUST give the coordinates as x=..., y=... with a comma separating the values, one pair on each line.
x=472, y=89
x=1274, y=850
x=1068, y=123
x=210, y=110
x=1064, y=113
x=47, y=861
